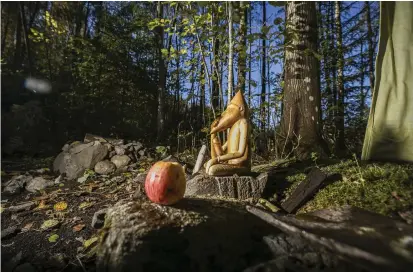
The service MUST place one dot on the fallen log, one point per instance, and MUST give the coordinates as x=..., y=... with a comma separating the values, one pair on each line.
x=373, y=241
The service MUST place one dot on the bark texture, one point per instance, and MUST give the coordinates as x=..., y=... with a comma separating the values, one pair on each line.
x=300, y=124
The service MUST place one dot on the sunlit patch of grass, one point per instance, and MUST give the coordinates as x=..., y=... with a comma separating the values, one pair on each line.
x=379, y=187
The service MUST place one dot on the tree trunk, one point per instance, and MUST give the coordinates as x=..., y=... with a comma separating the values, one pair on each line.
x=215, y=72
x=362, y=104
x=300, y=124
x=326, y=35
x=25, y=34
x=162, y=73
x=371, y=47
x=178, y=78
x=263, y=73
x=230, y=53
x=242, y=47
x=202, y=95
x=340, y=144
x=85, y=30
x=6, y=27
x=333, y=66
x=18, y=40
x=249, y=58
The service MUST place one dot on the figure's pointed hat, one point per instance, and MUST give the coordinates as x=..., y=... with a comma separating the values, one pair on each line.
x=238, y=100
x=231, y=115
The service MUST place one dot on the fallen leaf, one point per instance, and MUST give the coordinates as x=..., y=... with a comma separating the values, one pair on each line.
x=27, y=227
x=1, y=208
x=142, y=170
x=78, y=227
x=89, y=242
x=48, y=224
x=60, y=206
x=42, y=205
x=85, y=205
x=92, y=187
x=53, y=238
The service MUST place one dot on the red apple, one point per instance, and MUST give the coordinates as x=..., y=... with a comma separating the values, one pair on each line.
x=165, y=183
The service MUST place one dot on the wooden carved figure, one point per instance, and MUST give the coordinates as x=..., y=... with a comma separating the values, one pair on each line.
x=233, y=157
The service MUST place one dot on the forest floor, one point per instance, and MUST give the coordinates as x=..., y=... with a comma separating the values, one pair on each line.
x=56, y=228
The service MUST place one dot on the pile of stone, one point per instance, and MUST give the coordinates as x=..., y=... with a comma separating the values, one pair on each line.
x=102, y=155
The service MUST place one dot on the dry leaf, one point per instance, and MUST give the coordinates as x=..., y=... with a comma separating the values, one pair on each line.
x=78, y=227
x=60, y=206
x=42, y=205
x=85, y=205
x=27, y=227
x=48, y=224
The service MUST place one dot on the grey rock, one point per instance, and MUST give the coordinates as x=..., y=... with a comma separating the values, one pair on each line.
x=170, y=158
x=137, y=146
x=80, y=147
x=112, y=153
x=59, y=179
x=79, y=158
x=16, y=184
x=243, y=187
x=121, y=170
x=66, y=147
x=142, y=152
x=22, y=207
x=120, y=160
x=25, y=267
x=109, y=146
x=105, y=167
x=9, y=232
x=98, y=219
x=37, y=184
x=119, y=150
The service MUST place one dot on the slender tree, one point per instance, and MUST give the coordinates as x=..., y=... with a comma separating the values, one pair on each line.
x=340, y=145
x=162, y=73
x=230, y=53
x=242, y=47
x=371, y=47
x=263, y=66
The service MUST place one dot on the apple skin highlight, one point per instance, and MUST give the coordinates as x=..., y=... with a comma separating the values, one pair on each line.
x=165, y=183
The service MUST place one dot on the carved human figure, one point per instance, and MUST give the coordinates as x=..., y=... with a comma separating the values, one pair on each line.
x=233, y=157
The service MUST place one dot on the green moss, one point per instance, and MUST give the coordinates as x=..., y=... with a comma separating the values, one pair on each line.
x=383, y=188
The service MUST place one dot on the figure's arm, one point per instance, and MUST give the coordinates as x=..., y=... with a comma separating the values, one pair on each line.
x=224, y=147
x=243, y=141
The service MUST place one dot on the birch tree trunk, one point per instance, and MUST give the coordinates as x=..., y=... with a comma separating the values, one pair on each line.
x=162, y=79
x=300, y=123
x=263, y=73
x=340, y=144
x=242, y=47
x=230, y=53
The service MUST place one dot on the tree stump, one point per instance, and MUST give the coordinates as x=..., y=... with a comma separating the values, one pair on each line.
x=237, y=187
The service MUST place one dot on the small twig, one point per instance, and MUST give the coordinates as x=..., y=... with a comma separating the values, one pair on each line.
x=81, y=264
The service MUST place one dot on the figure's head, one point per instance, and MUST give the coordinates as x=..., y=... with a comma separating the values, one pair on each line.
x=236, y=110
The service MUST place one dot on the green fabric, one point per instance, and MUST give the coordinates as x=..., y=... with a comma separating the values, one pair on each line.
x=389, y=134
